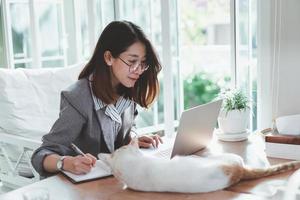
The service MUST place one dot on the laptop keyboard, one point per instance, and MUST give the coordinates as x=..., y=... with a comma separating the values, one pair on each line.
x=164, y=153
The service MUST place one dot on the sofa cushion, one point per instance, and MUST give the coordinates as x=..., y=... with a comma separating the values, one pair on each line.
x=30, y=98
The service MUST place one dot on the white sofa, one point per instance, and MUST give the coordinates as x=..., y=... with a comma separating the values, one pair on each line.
x=29, y=105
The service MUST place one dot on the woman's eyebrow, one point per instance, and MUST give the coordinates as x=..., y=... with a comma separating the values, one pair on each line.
x=135, y=56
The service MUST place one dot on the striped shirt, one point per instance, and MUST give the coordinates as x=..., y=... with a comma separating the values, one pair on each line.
x=112, y=111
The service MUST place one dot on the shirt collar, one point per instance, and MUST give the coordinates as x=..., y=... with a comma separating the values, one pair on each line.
x=111, y=110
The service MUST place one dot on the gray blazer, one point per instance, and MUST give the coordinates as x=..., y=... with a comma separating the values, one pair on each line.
x=79, y=123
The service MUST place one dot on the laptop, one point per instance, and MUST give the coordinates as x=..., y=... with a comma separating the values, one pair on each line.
x=194, y=132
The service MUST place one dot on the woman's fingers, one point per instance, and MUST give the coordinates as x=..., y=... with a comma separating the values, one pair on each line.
x=147, y=141
x=82, y=164
x=144, y=144
x=160, y=139
x=157, y=140
x=79, y=164
x=94, y=159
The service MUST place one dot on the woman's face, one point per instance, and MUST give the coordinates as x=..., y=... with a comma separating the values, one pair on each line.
x=133, y=56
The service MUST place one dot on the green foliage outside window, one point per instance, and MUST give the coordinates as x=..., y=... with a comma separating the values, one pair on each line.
x=199, y=89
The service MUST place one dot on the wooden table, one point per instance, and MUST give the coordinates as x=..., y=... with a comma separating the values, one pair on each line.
x=252, y=150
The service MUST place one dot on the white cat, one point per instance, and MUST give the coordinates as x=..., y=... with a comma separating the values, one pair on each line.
x=189, y=174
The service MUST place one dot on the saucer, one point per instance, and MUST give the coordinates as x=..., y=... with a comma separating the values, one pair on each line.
x=232, y=137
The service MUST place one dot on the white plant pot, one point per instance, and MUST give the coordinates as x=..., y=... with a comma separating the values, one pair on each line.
x=234, y=121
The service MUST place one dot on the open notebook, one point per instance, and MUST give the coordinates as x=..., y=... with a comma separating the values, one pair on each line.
x=100, y=170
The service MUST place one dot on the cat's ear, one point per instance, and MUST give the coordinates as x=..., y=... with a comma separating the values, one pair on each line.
x=134, y=142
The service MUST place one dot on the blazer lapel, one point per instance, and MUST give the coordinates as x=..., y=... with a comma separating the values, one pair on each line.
x=107, y=129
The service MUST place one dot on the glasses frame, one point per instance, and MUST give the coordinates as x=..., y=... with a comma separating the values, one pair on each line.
x=133, y=68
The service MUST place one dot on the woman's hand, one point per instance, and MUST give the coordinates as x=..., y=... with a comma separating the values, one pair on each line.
x=79, y=164
x=146, y=141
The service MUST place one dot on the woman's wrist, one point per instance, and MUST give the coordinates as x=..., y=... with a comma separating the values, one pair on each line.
x=67, y=163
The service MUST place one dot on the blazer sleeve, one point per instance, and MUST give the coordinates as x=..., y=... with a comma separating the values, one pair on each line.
x=64, y=131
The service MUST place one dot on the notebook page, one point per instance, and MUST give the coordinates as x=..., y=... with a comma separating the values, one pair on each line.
x=100, y=170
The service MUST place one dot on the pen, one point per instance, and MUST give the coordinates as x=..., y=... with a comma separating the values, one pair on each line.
x=77, y=150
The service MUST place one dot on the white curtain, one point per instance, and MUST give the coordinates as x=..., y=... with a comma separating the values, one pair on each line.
x=279, y=60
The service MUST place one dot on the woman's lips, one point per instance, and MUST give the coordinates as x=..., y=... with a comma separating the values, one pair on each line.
x=134, y=79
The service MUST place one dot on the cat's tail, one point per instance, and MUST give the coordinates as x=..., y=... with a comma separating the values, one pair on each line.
x=250, y=173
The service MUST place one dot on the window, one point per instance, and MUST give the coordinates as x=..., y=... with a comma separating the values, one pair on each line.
x=82, y=19
x=2, y=47
x=205, y=49
x=30, y=44
x=104, y=14
x=217, y=49
x=20, y=33
x=50, y=20
x=246, y=52
x=195, y=39
x=149, y=21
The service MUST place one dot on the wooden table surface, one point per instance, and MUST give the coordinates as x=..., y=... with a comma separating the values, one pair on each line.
x=252, y=150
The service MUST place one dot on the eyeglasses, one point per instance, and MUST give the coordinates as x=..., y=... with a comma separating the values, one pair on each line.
x=133, y=66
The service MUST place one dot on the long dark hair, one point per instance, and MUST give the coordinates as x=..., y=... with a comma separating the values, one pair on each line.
x=116, y=38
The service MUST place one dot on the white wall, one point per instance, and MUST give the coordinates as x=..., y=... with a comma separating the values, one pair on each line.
x=279, y=59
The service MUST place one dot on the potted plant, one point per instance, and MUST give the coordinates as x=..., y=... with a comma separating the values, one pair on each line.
x=235, y=112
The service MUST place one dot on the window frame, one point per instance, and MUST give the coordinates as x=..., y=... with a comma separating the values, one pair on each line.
x=170, y=123
x=36, y=57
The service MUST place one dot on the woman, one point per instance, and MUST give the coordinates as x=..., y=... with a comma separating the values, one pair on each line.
x=98, y=111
